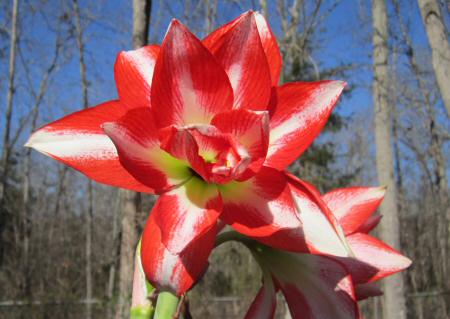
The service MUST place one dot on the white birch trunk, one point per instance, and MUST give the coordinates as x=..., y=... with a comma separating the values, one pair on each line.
x=394, y=306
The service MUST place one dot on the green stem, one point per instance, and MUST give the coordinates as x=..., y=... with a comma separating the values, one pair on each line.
x=166, y=306
x=232, y=235
x=141, y=307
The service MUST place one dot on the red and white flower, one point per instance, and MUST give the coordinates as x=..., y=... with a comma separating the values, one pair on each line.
x=205, y=125
x=329, y=286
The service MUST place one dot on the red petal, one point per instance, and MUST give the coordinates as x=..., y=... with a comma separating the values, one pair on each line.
x=211, y=153
x=374, y=259
x=353, y=206
x=136, y=139
x=313, y=286
x=262, y=208
x=250, y=129
x=133, y=72
x=270, y=46
x=268, y=41
x=265, y=302
x=180, y=143
x=322, y=230
x=309, y=301
x=186, y=213
x=365, y=291
x=78, y=140
x=279, y=214
x=167, y=271
x=300, y=112
x=189, y=85
x=369, y=224
x=241, y=54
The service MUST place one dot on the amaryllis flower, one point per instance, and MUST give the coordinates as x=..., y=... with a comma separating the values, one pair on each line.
x=205, y=125
x=327, y=286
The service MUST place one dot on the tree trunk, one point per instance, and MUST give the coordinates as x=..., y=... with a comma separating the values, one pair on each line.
x=8, y=113
x=90, y=204
x=264, y=9
x=26, y=212
x=437, y=36
x=113, y=264
x=394, y=306
x=130, y=200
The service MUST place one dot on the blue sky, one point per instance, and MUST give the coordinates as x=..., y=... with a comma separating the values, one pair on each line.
x=344, y=37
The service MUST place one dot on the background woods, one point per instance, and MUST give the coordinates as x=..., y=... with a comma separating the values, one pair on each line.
x=66, y=244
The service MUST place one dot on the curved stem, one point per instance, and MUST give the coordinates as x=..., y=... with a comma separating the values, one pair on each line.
x=232, y=235
x=166, y=306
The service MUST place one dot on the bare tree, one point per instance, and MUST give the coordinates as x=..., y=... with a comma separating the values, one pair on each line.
x=8, y=114
x=90, y=199
x=440, y=176
x=130, y=200
x=438, y=39
x=394, y=306
x=26, y=189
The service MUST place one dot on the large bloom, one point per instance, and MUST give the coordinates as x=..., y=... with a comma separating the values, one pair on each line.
x=205, y=125
x=327, y=286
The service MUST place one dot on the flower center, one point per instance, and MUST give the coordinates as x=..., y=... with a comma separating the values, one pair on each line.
x=211, y=154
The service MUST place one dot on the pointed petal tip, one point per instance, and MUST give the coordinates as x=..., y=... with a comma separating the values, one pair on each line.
x=29, y=143
x=175, y=24
x=381, y=190
x=336, y=85
x=174, y=21
x=406, y=262
x=35, y=141
x=250, y=14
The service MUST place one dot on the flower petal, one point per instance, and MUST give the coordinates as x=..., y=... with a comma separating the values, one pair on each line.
x=78, y=140
x=364, y=291
x=265, y=302
x=180, y=143
x=300, y=111
x=241, y=54
x=313, y=286
x=321, y=229
x=353, y=206
x=326, y=294
x=268, y=41
x=171, y=272
x=214, y=155
x=262, y=208
x=319, y=233
x=250, y=129
x=270, y=46
x=374, y=259
x=136, y=139
x=186, y=213
x=189, y=86
x=369, y=224
x=133, y=72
